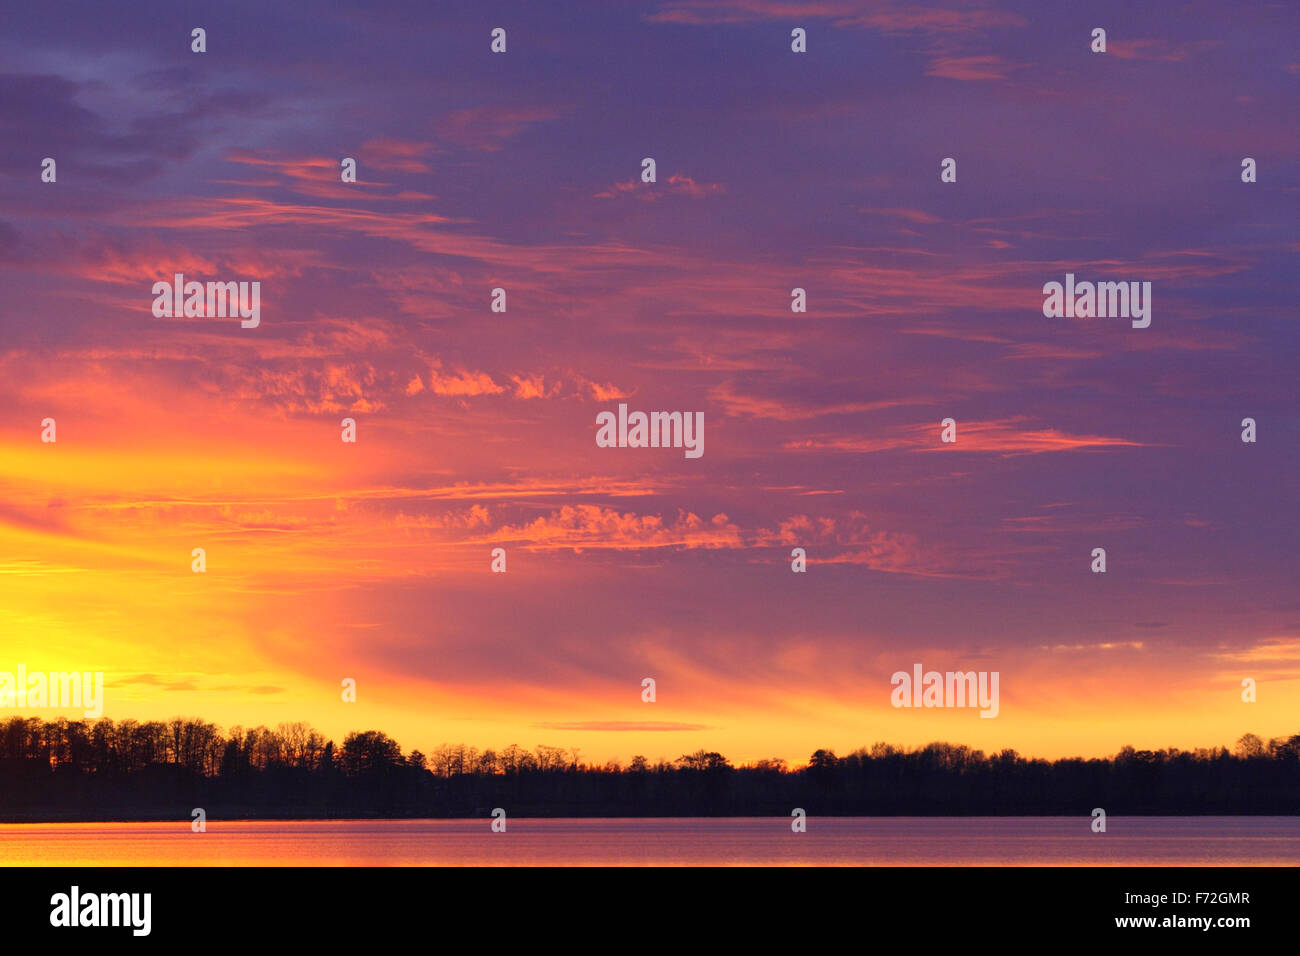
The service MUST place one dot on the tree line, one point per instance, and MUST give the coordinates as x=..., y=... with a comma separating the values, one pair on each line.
x=86, y=770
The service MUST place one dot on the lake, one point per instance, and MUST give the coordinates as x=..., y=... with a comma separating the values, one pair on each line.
x=745, y=841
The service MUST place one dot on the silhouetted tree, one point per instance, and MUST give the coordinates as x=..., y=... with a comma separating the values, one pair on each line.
x=74, y=769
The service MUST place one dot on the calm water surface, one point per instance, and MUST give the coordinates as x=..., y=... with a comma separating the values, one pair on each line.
x=891, y=841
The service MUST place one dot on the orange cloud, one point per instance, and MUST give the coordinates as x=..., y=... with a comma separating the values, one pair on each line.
x=463, y=383
x=533, y=386
x=581, y=527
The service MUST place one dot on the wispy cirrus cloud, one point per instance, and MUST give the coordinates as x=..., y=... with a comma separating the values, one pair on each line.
x=1006, y=436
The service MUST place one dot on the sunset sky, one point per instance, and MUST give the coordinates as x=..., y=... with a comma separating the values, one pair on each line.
x=476, y=429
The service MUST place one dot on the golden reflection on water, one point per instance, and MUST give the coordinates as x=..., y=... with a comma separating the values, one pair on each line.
x=885, y=841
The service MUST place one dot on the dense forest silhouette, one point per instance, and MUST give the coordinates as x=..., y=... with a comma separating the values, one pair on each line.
x=101, y=770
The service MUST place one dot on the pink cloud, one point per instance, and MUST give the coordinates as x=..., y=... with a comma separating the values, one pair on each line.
x=888, y=16
x=674, y=185
x=985, y=67
x=398, y=155
x=1161, y=49
x=488, y=127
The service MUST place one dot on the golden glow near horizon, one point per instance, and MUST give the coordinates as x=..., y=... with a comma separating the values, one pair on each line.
x=318, y=571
